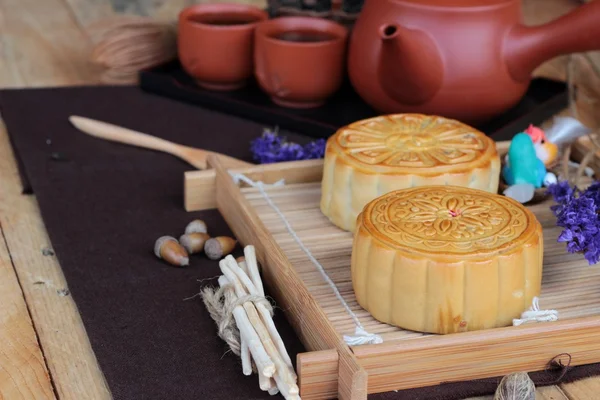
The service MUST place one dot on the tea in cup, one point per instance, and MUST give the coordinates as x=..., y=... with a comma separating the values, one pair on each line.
x=216, y=41
x=300, y=61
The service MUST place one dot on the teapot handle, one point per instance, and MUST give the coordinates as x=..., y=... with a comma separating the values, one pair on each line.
x=528, y=47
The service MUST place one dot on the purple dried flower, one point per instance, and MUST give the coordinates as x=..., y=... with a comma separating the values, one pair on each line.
x=271, y=148
x=578, y=212
x=316, y=149
x=561, y=191
x=593, y=192
x=592, y=254
x=291, y=151
x=266, y=147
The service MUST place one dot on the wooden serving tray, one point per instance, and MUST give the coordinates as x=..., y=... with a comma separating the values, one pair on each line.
x=405, y=359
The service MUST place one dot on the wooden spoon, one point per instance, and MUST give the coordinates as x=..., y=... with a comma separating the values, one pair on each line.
x=196, y=157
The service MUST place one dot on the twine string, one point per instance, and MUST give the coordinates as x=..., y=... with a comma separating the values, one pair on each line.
x=534, y=314
x=220, y=303
x=361, y=336
x=557, y=364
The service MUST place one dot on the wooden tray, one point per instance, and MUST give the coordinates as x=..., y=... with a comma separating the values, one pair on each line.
x=405, y=359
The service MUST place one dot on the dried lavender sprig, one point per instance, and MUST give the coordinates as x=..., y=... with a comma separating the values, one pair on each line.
x=271, y=148
x=578, y=213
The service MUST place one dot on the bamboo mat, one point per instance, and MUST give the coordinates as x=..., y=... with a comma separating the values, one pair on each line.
x=569, y=284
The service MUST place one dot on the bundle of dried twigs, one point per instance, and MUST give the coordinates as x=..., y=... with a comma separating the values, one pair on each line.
x=245, y=322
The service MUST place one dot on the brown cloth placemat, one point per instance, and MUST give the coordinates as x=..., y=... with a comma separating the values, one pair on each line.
x=104, y=204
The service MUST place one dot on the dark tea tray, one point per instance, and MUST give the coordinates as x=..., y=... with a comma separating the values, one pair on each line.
x=543, y=99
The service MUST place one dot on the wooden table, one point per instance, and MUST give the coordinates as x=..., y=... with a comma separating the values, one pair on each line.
x=44, y=349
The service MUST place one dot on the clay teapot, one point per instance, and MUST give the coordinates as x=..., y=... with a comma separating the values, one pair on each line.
x=465, y=59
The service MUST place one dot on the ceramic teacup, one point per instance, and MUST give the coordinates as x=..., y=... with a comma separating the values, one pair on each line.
x=216, y=41
x=300, y=61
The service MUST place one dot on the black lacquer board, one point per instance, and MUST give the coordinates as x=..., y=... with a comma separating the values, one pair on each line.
x=544, y=98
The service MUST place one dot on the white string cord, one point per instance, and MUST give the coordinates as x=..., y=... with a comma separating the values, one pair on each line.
x=361, y=336
x=534, y=314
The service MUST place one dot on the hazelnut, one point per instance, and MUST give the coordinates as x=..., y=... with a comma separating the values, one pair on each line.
x=218, y=247
x=196, y=226
x=168, y=248
x=194, y=242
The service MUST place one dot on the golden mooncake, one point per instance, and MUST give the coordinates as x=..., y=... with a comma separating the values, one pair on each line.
x=444, y=259
x=369, y=158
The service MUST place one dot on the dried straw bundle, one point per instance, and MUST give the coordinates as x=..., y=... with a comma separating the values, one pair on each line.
x=589, y=159
x=128, y=44
x=594, y=158
x=586, y=149
x=517, y=386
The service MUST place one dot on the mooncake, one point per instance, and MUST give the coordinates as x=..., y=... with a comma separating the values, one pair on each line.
x=369, y=158
x=445, y=259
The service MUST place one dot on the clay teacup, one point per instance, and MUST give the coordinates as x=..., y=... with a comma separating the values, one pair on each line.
x=300, y=61
x=216, y=41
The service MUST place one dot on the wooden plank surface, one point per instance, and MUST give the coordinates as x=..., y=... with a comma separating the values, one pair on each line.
x=71, y=361
x=23, y=373
x=45, y=43
x=552, y=393
x=86, y=12
x=584, y=389
x=42, y=45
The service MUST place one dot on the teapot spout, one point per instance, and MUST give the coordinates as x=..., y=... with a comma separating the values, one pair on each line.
x=410, y=68
x=526, y=48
